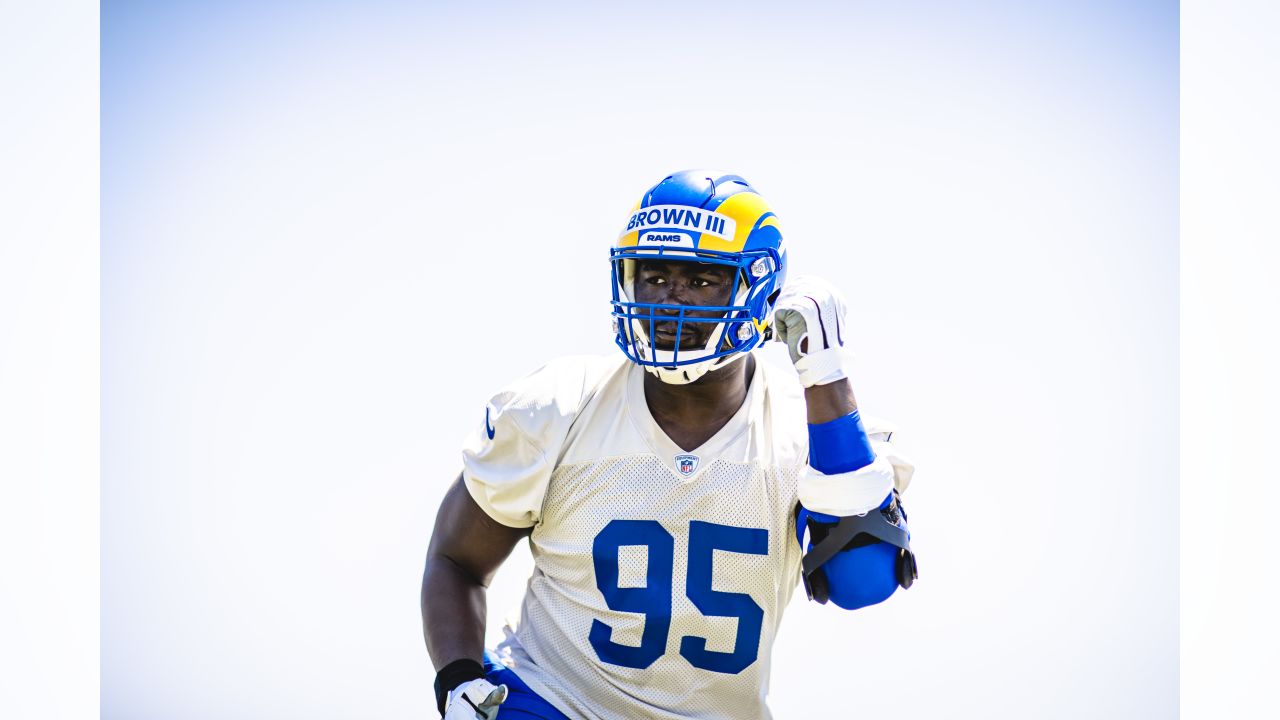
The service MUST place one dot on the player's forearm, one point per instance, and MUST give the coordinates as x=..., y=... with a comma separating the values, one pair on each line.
x=453, y=612
x=837, y=498
x=837, y=441
x=825, y=403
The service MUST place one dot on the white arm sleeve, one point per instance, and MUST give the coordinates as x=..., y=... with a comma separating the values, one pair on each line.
x=882, y=435
x=858, y=491
x=508, y=458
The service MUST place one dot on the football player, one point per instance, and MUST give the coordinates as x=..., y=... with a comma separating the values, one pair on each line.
x=674, y=496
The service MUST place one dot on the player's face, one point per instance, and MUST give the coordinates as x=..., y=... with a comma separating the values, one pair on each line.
x=683, y=283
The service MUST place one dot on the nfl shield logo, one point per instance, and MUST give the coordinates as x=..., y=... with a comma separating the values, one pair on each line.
x=686, y=464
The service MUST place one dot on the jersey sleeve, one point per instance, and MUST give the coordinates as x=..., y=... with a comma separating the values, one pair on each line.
x=508, y=458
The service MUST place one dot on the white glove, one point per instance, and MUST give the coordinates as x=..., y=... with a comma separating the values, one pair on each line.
x=475, y=700
x=809, y=318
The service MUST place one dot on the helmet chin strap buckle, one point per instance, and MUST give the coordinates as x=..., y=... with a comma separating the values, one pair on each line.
x=678, y=375
x=685, y=374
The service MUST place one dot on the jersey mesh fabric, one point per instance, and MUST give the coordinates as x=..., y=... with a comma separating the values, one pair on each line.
x=550, y=650
x=589, y=454
x=572, y=450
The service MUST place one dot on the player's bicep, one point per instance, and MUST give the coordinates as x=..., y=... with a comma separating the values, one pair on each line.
x=468, y=538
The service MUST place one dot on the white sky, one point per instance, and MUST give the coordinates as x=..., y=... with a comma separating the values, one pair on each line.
x=329, y=233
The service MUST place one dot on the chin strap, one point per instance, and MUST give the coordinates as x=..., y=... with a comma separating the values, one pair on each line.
x=686, y=374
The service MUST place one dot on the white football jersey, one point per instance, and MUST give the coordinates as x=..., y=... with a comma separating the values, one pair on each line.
x=660, y=575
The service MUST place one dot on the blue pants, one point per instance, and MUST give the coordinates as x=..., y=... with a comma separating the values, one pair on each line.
x=522, y=702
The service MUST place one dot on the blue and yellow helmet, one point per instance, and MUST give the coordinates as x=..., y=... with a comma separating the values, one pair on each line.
x=699, y=216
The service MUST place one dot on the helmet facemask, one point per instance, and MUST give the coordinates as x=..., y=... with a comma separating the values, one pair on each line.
x=738, y=327
x=705, y=217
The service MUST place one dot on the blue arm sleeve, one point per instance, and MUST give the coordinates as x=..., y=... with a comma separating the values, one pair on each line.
x=864, y=575
x=839, y=446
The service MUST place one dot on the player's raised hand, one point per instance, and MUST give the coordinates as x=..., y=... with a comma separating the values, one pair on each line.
x=475, y=700
x=809, y=317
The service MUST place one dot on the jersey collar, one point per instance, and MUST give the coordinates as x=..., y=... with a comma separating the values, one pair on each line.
x=716, y=447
